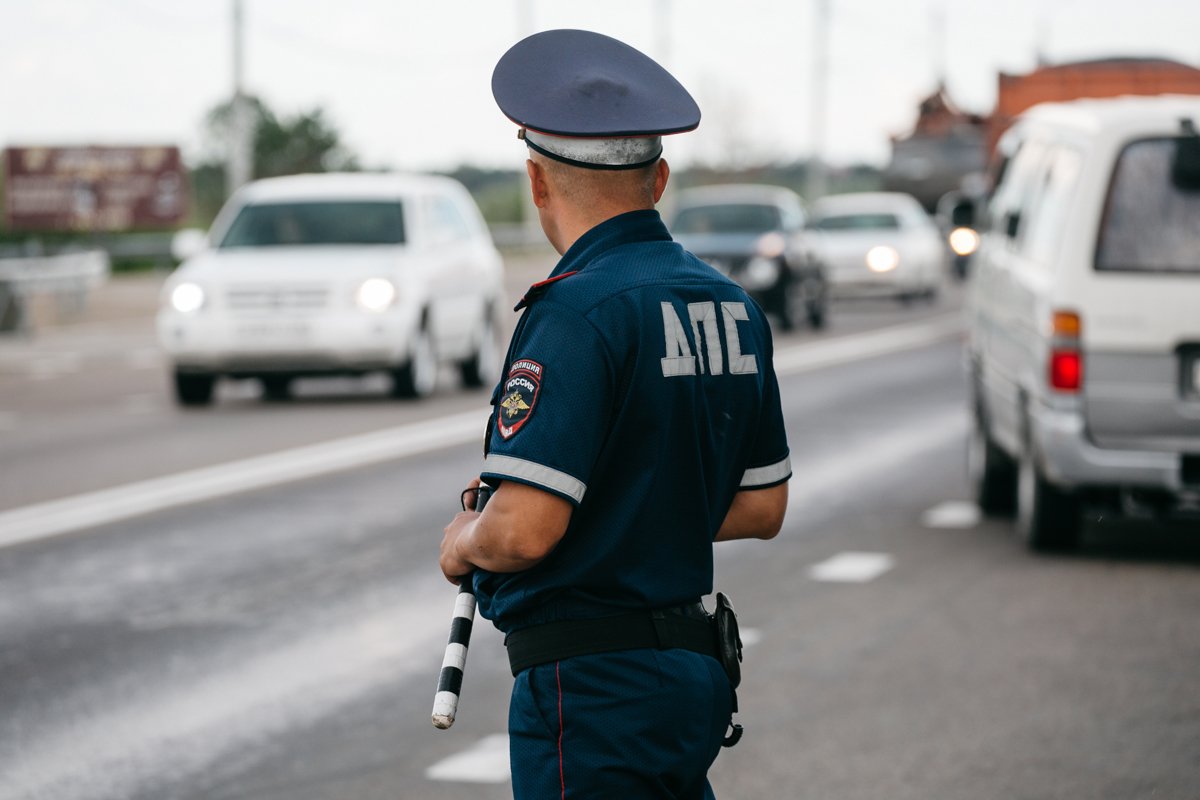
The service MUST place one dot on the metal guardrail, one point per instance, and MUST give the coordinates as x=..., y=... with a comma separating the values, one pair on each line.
x=69, y=276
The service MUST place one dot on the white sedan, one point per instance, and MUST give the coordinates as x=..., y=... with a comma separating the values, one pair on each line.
x=336, y=274
x=878, y=244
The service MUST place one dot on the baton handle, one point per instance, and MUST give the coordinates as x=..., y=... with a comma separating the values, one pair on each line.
x=445, y=700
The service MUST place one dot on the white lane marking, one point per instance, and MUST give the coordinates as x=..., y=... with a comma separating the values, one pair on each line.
x=750, y=636
x=856, y=347
x=247, y=699
x=95, y=509
x=484, y=762
x=47, y=367
x=851, y=567
x=145, y=358
x=873, y=460
x=952, y=514
x=143, y=403
x=111, y=505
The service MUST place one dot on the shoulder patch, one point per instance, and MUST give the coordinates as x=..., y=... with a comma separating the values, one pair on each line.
x=521, y=389
x=538, y=289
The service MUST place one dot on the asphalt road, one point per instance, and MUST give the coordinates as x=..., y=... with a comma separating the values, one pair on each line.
x=284, y=642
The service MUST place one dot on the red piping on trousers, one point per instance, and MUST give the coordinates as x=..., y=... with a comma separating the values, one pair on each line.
x=561, y=776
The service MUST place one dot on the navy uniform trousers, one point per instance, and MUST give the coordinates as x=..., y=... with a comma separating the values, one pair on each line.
x=630, y=725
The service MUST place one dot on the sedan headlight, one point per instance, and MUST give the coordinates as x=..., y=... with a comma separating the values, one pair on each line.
x=770, y=245
x=376, y=294
x=760, y=273
x=187, y=297
x=882, y=258
x=964, y=241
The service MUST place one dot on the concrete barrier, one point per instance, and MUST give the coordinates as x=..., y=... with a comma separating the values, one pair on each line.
x=70, y=277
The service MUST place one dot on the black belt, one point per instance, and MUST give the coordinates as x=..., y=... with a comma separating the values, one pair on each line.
x=687, y=627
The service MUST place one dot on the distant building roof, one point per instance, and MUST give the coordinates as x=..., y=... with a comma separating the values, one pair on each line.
x=1100, y=77
x=945, y=145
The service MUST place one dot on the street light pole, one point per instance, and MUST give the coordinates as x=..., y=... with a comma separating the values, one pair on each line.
x=240, y=164
x=531, y=222
x=817, y=176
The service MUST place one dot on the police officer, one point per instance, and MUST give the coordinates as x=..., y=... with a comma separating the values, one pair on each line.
x=636, y=422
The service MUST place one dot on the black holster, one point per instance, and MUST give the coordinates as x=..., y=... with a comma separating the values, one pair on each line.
x=729, y=653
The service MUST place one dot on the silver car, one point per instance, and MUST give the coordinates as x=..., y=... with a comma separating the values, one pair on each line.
x=878, y=244
x=755, y=235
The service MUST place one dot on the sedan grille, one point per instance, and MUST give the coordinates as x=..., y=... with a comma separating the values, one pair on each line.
x=289, y=298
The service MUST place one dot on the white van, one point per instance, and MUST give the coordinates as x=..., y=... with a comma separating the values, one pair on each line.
x=1084, y=317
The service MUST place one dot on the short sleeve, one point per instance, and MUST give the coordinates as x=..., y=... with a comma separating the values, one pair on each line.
x=770, y=463
x=553, y=405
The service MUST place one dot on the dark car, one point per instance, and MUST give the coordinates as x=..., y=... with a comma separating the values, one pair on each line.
x=755, y=235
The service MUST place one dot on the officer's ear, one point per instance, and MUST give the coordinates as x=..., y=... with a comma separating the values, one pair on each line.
x=662, y=171
x=537, y=183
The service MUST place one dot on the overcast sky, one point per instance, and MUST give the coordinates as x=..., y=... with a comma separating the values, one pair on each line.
x=408, y=83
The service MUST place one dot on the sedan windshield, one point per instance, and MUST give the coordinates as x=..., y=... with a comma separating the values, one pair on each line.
x=733, y=218
x=302, y=224
x=858, y=222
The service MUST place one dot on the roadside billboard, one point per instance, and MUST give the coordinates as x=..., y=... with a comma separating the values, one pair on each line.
x=93, y=188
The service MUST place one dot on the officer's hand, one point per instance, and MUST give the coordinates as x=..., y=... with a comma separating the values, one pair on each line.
x=454, y=567
x=469, y=496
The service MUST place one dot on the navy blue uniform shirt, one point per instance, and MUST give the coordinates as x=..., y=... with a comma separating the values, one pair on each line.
x=638, y=386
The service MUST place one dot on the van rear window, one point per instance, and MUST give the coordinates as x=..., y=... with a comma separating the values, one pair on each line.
x=1149, y=224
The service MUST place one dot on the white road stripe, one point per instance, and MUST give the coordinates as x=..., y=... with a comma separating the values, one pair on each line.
x=851, y=567
x=111, y=505
x=875, y=459
x=856, y=347
x=52, y=366
x=750, y=637
x=252, y=698
x=145, y=358
x=485, y=762
x=954, y=514
x=95, y=509
x=143, y=403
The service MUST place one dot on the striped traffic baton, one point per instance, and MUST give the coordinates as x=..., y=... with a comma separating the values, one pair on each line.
x=445, y=701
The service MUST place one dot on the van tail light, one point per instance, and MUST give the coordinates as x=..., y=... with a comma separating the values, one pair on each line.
x=1066, y=370
x=1066, y=356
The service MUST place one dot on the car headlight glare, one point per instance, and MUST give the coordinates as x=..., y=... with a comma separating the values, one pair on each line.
x=186, y=298
x=882, y=258
x=771, y=245
x=963, y=241
x=760, y=273
x=375, y=294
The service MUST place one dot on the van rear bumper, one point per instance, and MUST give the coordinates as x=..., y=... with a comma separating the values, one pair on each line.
x=1071, y=460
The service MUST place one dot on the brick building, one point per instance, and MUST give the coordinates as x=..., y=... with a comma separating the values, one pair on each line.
x=1109, y=77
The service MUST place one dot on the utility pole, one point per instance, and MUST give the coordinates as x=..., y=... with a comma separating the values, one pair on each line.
x=940, y=45
x=240, y=164
x=662, y=23
x=531, y=223
x=817, y=176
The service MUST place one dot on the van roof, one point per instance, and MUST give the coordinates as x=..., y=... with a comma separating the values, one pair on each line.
x=1092, y=115
x=341, y=185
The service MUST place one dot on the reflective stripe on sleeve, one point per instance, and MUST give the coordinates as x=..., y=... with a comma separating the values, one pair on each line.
x=764, y=476
x=519, y=468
